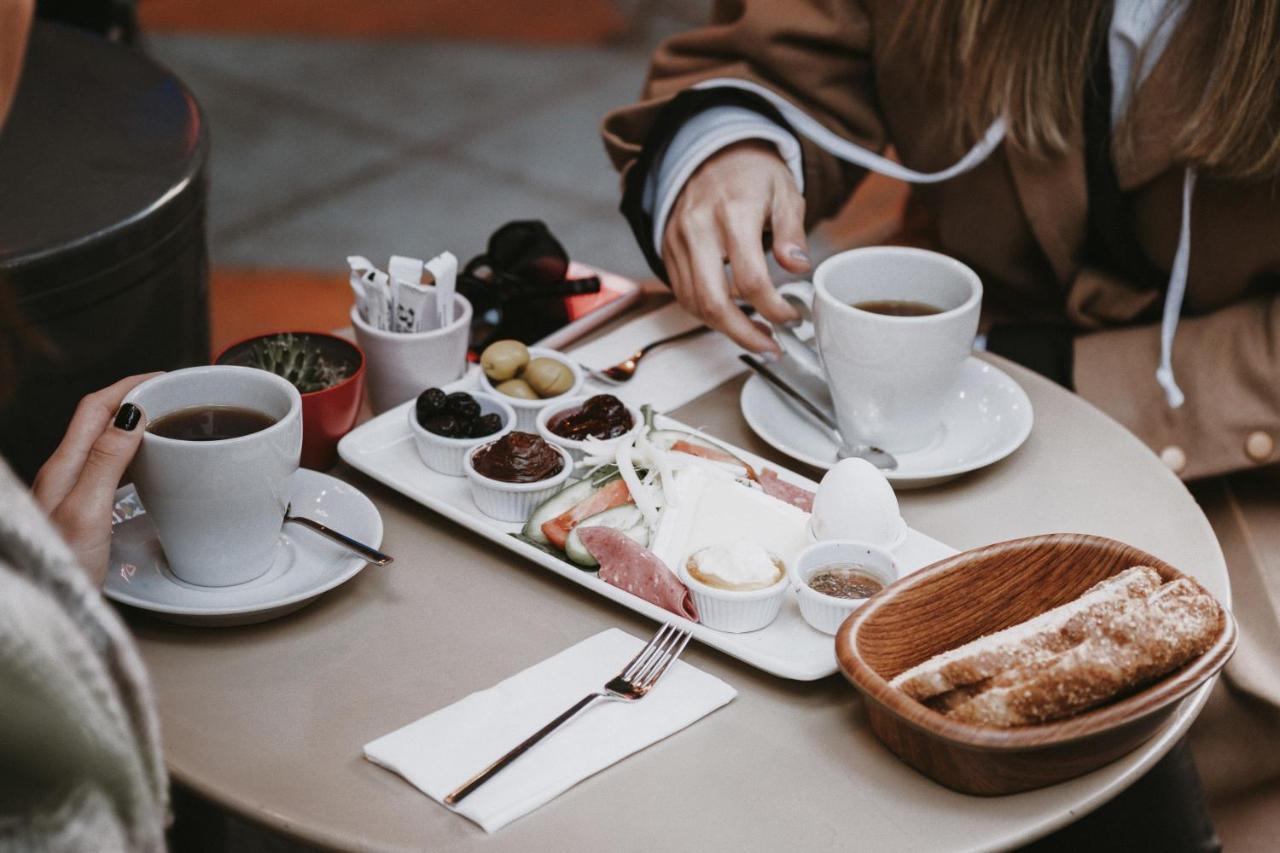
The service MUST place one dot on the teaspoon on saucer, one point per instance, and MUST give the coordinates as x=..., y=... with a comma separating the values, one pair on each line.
x=373, y=555
x=882, y=459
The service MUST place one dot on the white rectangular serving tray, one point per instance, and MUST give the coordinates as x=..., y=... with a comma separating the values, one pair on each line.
x=383, y=449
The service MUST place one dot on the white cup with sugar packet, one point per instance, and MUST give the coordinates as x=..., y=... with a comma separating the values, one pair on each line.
x=401, y=365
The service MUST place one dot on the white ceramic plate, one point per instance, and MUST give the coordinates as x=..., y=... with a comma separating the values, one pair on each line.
x=383, y=449
x=987, y=418
x=306, y=564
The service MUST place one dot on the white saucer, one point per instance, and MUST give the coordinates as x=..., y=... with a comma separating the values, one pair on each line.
x=988, y=417
x=306, y=564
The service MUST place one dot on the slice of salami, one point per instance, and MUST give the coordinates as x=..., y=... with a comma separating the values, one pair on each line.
x=634, y=568
x=776, y=487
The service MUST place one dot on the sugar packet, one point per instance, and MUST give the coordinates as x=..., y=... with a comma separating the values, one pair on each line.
x=399, y=300
x=373, y=292
x=410, y=295
x=444, y=269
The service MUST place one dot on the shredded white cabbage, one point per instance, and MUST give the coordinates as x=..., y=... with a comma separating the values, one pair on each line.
x=640, y=493
x=661, y=463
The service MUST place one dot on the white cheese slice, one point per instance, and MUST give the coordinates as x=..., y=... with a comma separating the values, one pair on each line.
x=713, y=510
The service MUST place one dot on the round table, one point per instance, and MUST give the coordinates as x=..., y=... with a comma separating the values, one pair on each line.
x=269, y=720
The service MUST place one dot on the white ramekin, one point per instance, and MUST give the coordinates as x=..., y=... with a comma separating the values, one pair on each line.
x=448, y=455
x=735, y=611
x=527, y=410
x=578, y=449
x=512, y=501
x=826, y=612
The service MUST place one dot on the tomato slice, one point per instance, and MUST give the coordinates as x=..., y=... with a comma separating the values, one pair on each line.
x=609, y=496
x=711, y=453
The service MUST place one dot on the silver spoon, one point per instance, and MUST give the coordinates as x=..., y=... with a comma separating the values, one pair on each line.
x=624, y=370
x=373, y=555
x=882, y=459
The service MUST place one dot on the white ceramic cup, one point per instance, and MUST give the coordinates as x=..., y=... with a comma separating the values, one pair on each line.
x=889, y=376
x=402, y=365
x=218, y=506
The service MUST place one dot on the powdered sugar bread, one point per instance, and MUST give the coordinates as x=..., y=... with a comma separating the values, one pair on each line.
x=1036, y=640
x=1148, y=638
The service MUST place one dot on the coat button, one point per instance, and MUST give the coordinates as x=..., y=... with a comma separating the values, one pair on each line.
x=1259, y=446
x=1174, y=458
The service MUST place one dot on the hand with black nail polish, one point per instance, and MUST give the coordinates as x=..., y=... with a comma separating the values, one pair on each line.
x=76, y=487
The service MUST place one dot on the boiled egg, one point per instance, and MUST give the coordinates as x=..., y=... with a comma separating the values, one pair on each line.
x=855, y=501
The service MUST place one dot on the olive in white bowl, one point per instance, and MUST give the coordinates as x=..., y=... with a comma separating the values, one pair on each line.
x=442, y=432
x=529, y=378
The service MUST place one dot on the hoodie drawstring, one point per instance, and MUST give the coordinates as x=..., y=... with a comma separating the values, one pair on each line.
x=851, y=152
x=1173, y=297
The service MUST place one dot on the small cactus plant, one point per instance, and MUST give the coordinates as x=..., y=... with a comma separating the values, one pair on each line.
x=298, y=359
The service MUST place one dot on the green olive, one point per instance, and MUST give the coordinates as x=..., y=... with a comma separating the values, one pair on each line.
x=518, y=388
x=503, y=360
x=548, y=377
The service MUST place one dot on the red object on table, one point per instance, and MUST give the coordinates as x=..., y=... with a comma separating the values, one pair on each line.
x=327, y=415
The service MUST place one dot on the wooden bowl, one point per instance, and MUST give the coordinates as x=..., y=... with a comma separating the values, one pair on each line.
x=975, y=593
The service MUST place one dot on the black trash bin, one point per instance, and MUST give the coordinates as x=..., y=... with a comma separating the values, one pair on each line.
x=103, y=184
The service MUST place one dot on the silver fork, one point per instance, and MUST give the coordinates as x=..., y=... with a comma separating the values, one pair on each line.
x=635, y=680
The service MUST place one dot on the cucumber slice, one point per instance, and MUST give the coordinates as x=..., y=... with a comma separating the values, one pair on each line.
x=568, y=497
x=626, y=518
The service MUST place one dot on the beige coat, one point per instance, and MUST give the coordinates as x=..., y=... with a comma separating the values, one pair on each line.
x=1021, y=223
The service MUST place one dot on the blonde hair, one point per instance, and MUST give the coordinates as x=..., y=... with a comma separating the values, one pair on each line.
x=1027, y=61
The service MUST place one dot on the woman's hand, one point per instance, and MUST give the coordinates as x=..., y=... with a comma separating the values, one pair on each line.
x=722, y=214
x=76, y=487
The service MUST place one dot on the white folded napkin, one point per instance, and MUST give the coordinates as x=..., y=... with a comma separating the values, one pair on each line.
x=669, y=376
x=446, y=748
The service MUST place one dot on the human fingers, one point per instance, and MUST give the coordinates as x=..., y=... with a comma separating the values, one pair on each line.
x=59, y=473
x=676, y=258
x=715, y=307
x=786, y=218
x=84, y=515
x=741, y=227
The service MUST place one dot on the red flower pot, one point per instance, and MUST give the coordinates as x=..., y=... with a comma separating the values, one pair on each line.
x=327, y=415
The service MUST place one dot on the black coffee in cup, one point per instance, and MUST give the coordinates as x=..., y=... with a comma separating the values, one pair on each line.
x=210, y=423
x=898, y=307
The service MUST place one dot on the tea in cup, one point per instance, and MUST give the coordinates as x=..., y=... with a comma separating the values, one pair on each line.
x=893, y=327
x=215, y=468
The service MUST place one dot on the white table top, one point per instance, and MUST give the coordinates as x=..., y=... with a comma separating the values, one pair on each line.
x=268, y=720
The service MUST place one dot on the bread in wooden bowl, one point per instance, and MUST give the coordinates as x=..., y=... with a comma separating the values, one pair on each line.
x=977, y=593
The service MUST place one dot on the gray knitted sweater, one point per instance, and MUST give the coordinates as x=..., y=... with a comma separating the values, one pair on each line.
x=80, y=763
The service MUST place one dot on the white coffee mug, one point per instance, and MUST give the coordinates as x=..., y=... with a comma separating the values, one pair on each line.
x=218, y=506
x=889, y=375
x=401, y=365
